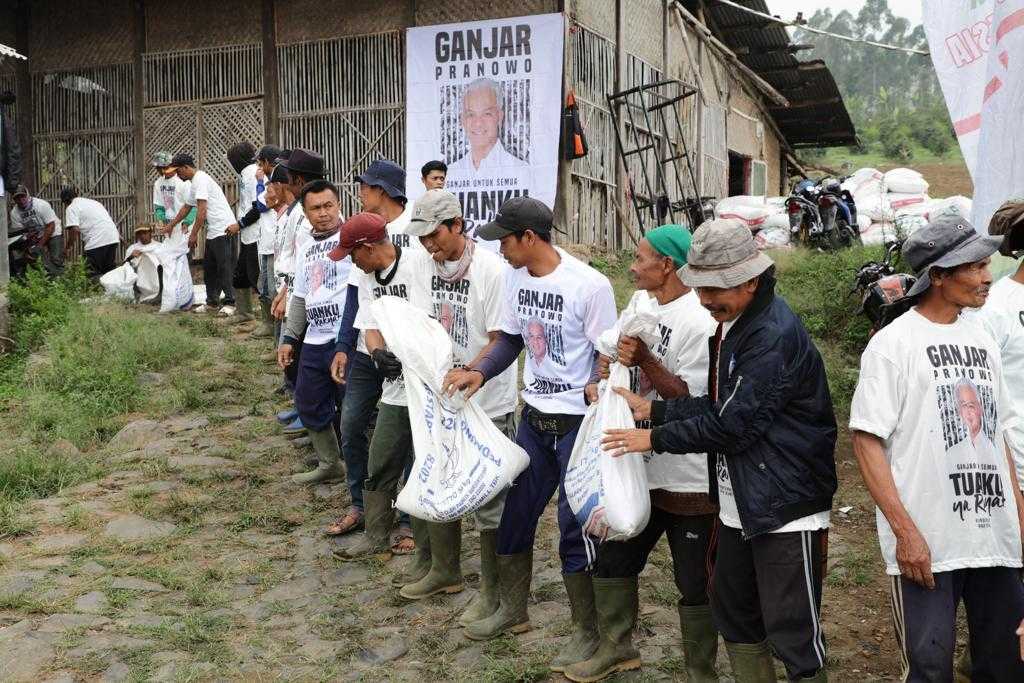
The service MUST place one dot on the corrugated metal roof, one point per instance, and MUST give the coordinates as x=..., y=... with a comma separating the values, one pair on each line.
x=10, y=52
x=817, y=115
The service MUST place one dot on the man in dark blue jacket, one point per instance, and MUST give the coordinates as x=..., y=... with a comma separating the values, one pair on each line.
x=768, y=427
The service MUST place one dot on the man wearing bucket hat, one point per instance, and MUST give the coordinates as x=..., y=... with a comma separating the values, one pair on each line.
x=681, y=508
x=930, y=402
x=768, y=427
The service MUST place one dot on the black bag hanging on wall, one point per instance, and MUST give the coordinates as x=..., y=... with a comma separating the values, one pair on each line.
x=574, y=141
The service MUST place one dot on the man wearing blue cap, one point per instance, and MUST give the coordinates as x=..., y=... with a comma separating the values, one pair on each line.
x=929, y=405
x=381, y=192
x=681, y=508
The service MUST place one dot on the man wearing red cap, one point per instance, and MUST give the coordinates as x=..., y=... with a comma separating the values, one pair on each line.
x=385, y=272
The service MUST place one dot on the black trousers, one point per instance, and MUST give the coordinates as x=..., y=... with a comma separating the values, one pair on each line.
x=769, y=588
x=925, y=624
x=247, y=268
x=691, y=540
x=218, y=267
x=101, y=260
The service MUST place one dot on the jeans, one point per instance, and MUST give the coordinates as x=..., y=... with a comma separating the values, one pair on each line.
x=218, y=268
x=362, y=391
x=267, y=283
x=317, y=396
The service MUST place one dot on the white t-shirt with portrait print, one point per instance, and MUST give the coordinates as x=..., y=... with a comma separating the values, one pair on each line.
x=171, y=194
x=560, y=317
x=684, y=327
x=1003, y=317
x=322, y=284
x=34, y=217
x=468, y=309
x=399, y=279
x=934, y=393
x=218, y=212
x=730, y=515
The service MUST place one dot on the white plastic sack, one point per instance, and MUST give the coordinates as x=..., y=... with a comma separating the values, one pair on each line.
x=908, y=202
x=462, y=459
x=178, y=292
x=957, y=205
x=639, y=319
x=752, y=211
x=862, y=180
x=119, y=283
x=876, y=207
x=147, y=286
x=863, y=222
x=609, y=495
x=905, y=180
x=772, y=238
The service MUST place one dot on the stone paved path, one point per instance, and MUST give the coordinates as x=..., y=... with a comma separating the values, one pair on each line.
x=195, y=559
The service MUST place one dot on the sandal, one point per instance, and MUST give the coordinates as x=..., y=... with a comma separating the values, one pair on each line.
x=402, y=542
x=351, y=521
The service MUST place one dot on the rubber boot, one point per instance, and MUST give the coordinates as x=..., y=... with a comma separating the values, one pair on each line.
x=378, y=517
x=616, y=602
x=421, y=564
x=584, y=640
x=700, y=643
x=514, y=575
x=265, y=329
x=821, y=676
x=328, y=455
x=485, y=602
x=751, y=662
x=445, y=575
x=243, y=306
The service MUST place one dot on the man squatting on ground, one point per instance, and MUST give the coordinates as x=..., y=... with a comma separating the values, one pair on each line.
x=564, y=305
x=466, y=289
x=36, y=217
x=213, y=211
x=929, y=419
x=681, y=508
x=767, y=418
x=381, y=192
x=314, y=315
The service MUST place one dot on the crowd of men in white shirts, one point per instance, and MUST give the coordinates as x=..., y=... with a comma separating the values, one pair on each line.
x=732, y=407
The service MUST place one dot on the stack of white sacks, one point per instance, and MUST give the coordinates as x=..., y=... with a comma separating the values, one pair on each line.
x=891, y=203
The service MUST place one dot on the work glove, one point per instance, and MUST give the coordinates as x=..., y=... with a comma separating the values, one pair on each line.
x=387, y=363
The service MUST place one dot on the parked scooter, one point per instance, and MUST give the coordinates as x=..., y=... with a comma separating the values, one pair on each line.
x=838, y=213
x=822, y=215
x=881, y=289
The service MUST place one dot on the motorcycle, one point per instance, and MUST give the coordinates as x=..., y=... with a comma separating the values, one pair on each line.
x=838, y=213
x=822, y=216
x=881, y=289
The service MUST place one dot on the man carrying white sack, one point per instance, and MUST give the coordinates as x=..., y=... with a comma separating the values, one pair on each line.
x=563, y=305
x=768, y=427
x=681, y=508
x=467, y=288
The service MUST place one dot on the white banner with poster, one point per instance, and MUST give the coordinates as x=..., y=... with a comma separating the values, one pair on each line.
x=485, y=97
x=978, y=49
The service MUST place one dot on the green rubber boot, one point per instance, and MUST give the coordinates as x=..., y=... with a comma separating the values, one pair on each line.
x=751, y=662
x=700, y=643
x=514, y=575
x=328, y=455
x=378, y=516
x=243, y=306
x=584, y=640
x=265, y=329
x=485, y=602
x=820, y=676
x=419, y=567
x=616, y=603
x=445, y=575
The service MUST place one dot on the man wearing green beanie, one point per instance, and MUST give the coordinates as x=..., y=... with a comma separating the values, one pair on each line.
x=680, y=506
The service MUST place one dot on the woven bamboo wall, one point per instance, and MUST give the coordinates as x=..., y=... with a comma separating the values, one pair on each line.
x=305, y=20
x=428, y=13
x=643, y=30
x=190, y=24
x=87, y=33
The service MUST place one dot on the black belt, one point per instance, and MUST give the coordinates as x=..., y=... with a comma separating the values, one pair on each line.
x=552, y=423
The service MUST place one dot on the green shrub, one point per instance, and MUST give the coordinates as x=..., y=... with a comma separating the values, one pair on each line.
x=39, y=304
x=817, y=287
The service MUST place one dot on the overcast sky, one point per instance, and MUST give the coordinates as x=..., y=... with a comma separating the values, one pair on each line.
x=787, y=9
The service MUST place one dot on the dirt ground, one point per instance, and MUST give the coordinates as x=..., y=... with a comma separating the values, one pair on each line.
x=196, y=559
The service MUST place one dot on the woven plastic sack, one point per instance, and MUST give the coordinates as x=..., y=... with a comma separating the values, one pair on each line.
x=119, y=283
x=462, y=459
